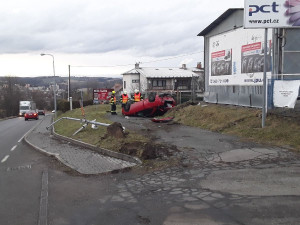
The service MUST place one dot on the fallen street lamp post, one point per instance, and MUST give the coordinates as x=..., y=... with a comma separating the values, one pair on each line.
x=84, y=121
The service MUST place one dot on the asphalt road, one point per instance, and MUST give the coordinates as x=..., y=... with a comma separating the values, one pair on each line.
x=20, y=178
x=222, y=181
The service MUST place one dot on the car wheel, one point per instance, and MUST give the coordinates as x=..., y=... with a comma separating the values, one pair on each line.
x=26, y=119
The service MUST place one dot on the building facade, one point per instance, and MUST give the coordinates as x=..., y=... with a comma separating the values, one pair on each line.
x=164, y=80
x=234, y=60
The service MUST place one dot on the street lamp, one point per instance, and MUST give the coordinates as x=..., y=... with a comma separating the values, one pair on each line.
x=54, y=88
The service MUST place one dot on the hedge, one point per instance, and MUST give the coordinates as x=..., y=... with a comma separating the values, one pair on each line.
x=63, y=105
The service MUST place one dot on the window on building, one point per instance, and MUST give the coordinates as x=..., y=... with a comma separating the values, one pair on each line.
x=159, y=83
x=124, y=85
x=135, y=81
x=182, y=83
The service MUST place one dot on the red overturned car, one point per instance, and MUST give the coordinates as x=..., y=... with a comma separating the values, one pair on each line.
x=31, y=115
x=154, y=105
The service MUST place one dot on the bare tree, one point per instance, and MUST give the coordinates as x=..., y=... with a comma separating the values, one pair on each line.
x=11, y=97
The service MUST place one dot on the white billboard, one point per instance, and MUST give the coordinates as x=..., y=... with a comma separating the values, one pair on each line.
x=272, y=13
x=237, y=57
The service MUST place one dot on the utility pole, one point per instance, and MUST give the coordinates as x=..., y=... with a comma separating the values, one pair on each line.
x=69, y=84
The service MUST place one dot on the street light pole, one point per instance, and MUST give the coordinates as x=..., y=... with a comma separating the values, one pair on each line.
x=54, y=88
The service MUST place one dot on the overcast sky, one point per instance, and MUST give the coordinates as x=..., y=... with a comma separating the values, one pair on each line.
x=103, y=33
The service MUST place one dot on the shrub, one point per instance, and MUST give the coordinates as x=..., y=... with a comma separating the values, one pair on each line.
x=63, y=105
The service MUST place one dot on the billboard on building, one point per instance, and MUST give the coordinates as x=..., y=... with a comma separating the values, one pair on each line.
x=237, y=57
x=272, y=13
x=221, y=62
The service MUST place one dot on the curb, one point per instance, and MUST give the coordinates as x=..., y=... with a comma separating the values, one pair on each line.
x=83, y=144
x=36, y=147
x=102, y=151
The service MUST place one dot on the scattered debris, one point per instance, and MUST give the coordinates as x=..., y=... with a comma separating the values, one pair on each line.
x=94, y=126
x=162, y=120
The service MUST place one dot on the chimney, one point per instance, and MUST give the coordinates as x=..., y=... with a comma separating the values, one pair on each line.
x=137, y=65
x=183, y=66
x=199, y=65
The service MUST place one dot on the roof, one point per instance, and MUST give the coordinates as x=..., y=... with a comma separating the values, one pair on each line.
x=163, y=72
x=218, y=21
x=117, y=87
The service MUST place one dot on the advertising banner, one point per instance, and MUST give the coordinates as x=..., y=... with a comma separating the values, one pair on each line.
x=272, y=14
x=253, y=58
x=221, y=63
x=237, y=57
x=286, y=93
x=101, y=95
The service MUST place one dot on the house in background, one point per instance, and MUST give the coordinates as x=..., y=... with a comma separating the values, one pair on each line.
x=164, y=80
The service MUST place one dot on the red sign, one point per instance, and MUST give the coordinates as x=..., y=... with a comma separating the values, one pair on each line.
x=102, y=94
x=218, y=54
x=251, y=47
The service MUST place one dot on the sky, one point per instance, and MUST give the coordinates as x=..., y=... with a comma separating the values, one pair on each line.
x=101, y=37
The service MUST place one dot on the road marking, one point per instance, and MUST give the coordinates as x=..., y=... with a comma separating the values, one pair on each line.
x=29, y=131
x=44, y=200
x=4, y=159
x=13, y=148
x=18, y=168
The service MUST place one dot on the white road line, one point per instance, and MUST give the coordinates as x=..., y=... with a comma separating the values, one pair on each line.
x=29, y=131
x=44, y=200
x=13, y=148
x=4, y=159
x=21, y=139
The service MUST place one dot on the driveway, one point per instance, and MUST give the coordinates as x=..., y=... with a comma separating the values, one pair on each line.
x=224, y=180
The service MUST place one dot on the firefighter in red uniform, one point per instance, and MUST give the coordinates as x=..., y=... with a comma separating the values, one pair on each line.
x=137, y=96
x=124, y=98
x=113, y=102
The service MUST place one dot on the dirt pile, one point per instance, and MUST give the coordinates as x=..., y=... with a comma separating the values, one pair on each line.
x=145, y=151
x=115, y=130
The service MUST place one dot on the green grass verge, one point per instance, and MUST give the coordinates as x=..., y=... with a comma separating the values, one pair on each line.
x=92, y=136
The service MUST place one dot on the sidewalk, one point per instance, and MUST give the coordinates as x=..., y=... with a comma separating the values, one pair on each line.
x=81, y=159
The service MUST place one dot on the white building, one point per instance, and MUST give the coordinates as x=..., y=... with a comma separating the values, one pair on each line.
x=163, y=80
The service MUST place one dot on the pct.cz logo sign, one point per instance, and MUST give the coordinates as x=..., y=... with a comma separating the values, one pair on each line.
x=263, y=8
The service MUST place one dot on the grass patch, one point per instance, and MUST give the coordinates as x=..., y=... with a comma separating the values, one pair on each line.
x=98, y=137
x=88, y=135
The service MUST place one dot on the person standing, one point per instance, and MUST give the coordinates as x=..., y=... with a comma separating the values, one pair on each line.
x=124, y=98
x=137, y=96
x=113, y=102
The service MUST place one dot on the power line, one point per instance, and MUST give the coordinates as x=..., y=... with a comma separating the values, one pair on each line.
x=106, y=66
x=158, y=60
x=179, y=56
